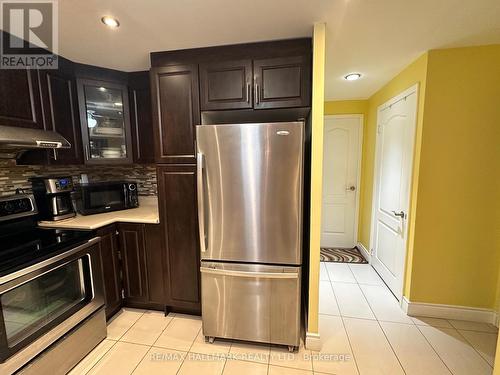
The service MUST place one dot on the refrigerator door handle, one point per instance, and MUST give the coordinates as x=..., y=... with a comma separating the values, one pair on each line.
x=253, y=275
x=201, y=204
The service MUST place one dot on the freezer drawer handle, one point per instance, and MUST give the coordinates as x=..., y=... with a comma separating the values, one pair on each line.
x=201, y=203
x=253, y=275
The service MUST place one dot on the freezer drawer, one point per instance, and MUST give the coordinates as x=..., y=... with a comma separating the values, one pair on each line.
x=251, y=302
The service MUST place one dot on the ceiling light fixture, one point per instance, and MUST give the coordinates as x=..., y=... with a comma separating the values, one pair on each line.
x=110, y=22
x=352, y=76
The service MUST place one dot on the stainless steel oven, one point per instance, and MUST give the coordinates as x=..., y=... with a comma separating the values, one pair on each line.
x=42, y=302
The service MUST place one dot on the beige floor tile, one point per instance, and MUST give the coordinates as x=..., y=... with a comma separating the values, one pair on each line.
x=147, y=328
x=276, y=370
x=323, y=273
x=243, y=351
x=484, y=343
x=180, y=333
x=458, y=355
x=372, y=351
x=351, y=301
x=365, y=274
x=340, y=272
x=336, y=355
x=92, y=358
x=121, y=359
x=301, y=359
x=200, y=364
x=244, y=368
x=473, y=326
x=384, y=305
x=159, y=361
x=413, y=351
x=433, y=322
x=122, y=321
x=327, y=302
x=219, y=346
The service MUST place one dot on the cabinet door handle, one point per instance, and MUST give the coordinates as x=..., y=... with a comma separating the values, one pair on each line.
x=257, y=99
x=248, y=93
x=86, y=152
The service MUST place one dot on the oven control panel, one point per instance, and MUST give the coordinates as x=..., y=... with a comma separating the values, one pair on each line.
x=16, y=206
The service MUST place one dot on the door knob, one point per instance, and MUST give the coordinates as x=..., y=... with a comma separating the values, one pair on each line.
x=400, y=214
x=351, y=188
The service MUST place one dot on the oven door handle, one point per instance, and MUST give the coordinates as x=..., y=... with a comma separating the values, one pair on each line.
x=48, y=262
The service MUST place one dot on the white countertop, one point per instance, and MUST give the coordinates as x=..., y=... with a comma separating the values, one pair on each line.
x=146, y=213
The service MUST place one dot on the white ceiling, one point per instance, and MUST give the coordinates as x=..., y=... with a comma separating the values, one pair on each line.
x=375, y=37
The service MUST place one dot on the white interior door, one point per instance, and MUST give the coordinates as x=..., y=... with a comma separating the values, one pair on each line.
x=341, y=158
x=393, y=166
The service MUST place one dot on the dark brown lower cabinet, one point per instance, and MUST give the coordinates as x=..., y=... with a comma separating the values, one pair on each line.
x=154, y=262
x=178, y=214
x=133, y=272
x=133, y=250
x=110, y=259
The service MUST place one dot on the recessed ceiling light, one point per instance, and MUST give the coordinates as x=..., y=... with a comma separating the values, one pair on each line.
x=118, y=104
x=352, y=76
x=110, y=22
x=102, y=88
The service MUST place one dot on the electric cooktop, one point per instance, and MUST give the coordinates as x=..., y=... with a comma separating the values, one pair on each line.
x=22, y=243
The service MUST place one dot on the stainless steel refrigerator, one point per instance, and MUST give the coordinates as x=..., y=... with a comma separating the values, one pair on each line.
x=250, y=224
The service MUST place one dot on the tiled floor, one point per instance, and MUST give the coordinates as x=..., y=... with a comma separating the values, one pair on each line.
x=362, y=328
x=383, y=340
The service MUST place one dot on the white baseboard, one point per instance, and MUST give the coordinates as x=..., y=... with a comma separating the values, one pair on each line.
x=365, y=252
x=433, y=310
x=313, y=341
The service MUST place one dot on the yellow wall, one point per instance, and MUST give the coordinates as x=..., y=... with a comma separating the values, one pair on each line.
x=317, y=114
x=456, y=252
x=346, y=107
x=454, y=234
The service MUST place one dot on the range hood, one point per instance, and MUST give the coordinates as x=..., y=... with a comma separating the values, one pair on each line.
x=15, y=140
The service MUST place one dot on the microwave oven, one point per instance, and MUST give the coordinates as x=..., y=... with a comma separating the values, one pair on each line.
x=99, y=197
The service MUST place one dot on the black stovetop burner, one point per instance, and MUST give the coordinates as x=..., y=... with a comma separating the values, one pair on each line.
x=23, y=244
x=32, y=246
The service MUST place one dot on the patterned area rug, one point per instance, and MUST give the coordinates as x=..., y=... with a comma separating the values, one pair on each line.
x=353, y=255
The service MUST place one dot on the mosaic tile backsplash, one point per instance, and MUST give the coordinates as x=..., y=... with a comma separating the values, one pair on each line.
x=14, y=176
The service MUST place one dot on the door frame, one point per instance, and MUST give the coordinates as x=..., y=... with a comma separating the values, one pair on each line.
x=361, y=119
x=411, y=162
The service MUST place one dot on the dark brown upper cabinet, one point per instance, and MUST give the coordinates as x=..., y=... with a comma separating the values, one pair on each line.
x=59, y=100
x=20, y=102
x=226, y=85
x=105, y=122
x=176, y=112
x=178, y=213
x=141, y=120
x=283, y=82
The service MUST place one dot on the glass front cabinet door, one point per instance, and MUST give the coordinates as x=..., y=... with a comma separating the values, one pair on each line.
x=105, y=121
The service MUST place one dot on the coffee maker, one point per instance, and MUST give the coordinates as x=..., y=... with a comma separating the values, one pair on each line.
x=53, y=197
